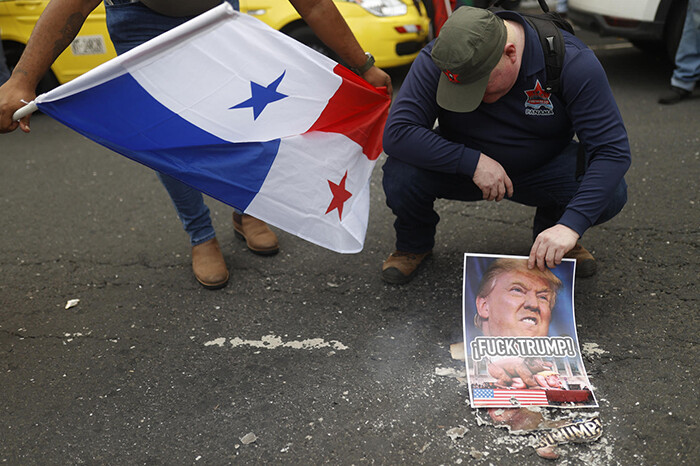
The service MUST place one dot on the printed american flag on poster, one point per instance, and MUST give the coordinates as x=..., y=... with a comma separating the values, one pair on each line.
x=494, y=397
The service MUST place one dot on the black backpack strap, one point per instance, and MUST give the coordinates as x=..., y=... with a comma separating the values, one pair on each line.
x=552, y=42
x=581, y=164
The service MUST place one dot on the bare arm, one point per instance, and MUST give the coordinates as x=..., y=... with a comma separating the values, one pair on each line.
x=54, y=31
x=328, y=24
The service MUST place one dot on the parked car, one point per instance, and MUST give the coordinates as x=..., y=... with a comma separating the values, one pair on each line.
x=91, y=48
x=654, y=25
x=394, y=31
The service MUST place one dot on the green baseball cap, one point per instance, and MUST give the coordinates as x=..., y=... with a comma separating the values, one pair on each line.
x=468, y=48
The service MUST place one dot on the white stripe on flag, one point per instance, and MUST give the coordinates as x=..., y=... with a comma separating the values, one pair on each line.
x=296, y=194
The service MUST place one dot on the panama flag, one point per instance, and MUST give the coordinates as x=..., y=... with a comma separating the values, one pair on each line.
x=244, y=114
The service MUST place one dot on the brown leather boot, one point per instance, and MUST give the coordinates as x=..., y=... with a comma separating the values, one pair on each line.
x=400, y=267
x=585, y=262
x=258, y=237
x=208, y=265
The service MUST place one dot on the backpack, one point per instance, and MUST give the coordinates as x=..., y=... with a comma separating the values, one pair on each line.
x=548, y=26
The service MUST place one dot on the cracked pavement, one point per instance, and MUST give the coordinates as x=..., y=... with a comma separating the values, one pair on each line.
x=126, y=376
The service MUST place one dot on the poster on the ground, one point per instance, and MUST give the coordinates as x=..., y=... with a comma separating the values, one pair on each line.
x=520, y=337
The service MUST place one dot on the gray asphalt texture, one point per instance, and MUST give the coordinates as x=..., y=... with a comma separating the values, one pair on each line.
x=134, y=374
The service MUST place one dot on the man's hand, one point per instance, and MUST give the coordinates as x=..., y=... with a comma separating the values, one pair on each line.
x=378, y=78
x=507, y=369
x=492, y=179
x=12, y=93
x=550, y=246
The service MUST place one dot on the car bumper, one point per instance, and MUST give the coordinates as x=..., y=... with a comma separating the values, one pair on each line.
x=608, y=26
x=383, y=36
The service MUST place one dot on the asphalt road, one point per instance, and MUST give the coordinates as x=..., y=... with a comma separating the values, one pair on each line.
x=149, y=368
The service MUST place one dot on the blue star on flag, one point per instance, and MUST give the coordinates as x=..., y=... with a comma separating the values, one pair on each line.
x=261, y=96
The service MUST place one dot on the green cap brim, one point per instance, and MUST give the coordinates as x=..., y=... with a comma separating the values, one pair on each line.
x=462, y=98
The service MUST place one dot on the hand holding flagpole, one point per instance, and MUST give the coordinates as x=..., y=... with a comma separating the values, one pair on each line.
x=24, y=111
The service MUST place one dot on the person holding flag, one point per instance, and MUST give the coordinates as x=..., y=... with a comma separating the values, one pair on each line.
x=133, y=22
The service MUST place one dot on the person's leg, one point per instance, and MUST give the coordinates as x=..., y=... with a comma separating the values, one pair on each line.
x=562, y=7
x=130, y=25
x=191, y=209
x=410, y=194
x=4, y=70
x=550, y=189
x=687, y=71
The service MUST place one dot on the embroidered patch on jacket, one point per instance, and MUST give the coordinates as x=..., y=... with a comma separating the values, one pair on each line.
x=538, y=102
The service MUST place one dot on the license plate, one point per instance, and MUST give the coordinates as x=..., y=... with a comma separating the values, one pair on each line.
x=88, y=45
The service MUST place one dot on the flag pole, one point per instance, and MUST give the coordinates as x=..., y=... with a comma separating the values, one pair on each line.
x=24, y=111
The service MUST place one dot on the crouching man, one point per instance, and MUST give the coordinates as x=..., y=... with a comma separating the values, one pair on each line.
x=500, y=134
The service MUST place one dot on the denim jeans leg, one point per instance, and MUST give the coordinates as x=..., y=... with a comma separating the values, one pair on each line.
x=130, y=25
x=4, y=70
x=190, y=207
x=687, y=71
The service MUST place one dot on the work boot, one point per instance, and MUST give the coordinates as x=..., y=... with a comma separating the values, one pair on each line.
x=677, y=94
x=208, y=265
x=585, y=262
x=258, y=237
x=400, y=267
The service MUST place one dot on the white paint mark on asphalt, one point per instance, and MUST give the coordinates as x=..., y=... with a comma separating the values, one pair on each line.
x=218, y=342
x=621, y=45
x=592, y=349
x=273, y=342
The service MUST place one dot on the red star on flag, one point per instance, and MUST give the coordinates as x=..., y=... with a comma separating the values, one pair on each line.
x=340, y=195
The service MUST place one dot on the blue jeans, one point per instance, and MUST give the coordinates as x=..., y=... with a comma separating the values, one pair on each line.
x=687, y=71
x=4, y=70
x=130, y=25
x=411, y=192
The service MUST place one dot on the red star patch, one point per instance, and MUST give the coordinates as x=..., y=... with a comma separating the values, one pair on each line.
x=451, y=76
x=538, y=95
x=340, y=195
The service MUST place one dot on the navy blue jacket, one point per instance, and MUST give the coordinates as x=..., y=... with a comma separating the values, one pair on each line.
x=521, y=131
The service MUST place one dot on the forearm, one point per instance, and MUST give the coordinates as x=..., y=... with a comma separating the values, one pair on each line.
x=54, y=31
x=325, y=20
x=409, y=134
x=599, y=126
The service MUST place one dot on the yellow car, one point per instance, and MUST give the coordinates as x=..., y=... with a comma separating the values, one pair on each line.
x=392, y=30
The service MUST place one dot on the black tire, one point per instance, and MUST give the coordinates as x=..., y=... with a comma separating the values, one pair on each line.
x=307, y=37
x=674, y=28
x=13, y=51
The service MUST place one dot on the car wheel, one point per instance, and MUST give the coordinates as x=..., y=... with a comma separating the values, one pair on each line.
x=674, y=27
x=307, y=37
x=13, y=51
